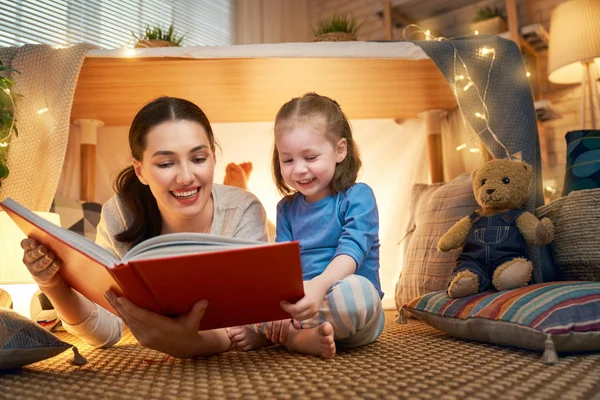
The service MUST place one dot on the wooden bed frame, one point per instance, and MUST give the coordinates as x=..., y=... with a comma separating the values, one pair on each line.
x=112, y=90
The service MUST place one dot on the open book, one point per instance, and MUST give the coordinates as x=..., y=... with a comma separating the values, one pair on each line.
x=243, y=281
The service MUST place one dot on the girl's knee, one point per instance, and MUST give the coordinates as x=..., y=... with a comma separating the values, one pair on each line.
x=356, y=301
x=360, y=290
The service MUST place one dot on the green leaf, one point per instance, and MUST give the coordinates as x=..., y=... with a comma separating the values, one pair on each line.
x=337, y=23
x=3, y=171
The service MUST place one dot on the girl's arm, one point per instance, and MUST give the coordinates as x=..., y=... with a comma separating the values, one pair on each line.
x=360, y=220
x=316, y=289
x=360, y=224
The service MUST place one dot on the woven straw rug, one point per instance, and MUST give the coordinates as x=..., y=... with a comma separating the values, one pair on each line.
x=408, y=361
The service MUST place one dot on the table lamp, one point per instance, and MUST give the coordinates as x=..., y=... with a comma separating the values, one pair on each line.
x=574, y=51
x=14, y=275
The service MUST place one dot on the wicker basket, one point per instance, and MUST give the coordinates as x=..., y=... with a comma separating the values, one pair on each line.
x=335, y=37
x=154, y=43
x=576, y=244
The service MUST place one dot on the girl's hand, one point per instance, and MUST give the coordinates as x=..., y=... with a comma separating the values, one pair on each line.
x=177, y=337
x=277, y=331
x=308, y=306
x=41, y=263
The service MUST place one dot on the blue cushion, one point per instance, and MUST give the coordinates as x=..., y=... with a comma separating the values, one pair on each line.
x=583, y=160
x=23, y=342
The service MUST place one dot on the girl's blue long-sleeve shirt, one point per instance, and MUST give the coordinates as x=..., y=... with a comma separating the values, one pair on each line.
x=345, y=223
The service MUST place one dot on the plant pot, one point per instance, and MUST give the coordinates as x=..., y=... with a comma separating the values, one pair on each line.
x=335, y=37
x=154, y=43
x=492, y=26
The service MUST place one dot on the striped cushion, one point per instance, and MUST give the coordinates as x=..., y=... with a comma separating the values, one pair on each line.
x=568, y=313
x=434, y=209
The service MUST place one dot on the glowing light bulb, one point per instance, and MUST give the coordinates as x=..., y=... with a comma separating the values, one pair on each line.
x=459, y=77
x=43, y=110
x=528, y=74
x=479, y=115
x=468, y=86
x=485, y=51
x=462, y=146
x=474, y=150
x=476, y=32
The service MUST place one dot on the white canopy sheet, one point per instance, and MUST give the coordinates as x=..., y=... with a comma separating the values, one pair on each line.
x=403, y=50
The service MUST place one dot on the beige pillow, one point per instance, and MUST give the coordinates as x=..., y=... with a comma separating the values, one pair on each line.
x=576, y=244
x=434, y=209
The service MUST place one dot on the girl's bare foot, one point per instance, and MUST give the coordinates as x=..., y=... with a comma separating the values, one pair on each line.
x=246, y=339
x=317, y=341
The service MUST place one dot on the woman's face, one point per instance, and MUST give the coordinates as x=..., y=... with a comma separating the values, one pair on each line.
x=178, y=165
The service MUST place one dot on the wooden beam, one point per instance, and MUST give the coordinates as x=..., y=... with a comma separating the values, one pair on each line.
x=88, y=132
x=387, y=19
x=247, y=90
x=513, y=21
x=433, y=127
x=87, y=190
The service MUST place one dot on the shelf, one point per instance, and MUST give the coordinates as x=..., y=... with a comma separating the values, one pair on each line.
x=535, y=35
x=545, y=110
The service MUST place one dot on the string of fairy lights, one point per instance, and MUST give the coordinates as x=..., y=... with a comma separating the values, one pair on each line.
x=463, y=82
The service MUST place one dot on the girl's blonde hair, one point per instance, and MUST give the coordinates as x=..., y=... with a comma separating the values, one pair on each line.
x=325, y=115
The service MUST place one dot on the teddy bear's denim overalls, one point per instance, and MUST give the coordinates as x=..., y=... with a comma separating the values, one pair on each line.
x=492, y=241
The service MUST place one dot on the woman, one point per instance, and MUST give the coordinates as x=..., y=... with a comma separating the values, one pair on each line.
x=168, y=188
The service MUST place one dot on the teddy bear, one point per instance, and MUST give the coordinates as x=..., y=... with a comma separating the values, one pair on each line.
x=495, y=237
x=238, y=174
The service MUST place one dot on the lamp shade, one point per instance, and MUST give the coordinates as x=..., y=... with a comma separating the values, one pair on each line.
x=574, y=37
x=12, y=269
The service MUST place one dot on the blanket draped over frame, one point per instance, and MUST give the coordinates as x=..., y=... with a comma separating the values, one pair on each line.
x=47, y=79
x=509, y=100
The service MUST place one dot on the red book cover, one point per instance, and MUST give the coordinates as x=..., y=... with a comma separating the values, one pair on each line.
x=243, y=281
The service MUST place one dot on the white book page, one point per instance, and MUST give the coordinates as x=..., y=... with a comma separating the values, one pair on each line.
x=185, y=243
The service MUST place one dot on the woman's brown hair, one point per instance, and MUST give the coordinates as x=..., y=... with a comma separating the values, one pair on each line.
x=146, y=221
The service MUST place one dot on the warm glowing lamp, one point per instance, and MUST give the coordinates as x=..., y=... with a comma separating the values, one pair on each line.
x=14, y=275
x=574, y=50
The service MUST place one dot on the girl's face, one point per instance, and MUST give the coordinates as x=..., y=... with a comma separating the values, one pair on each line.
x=178, y=165
x=307, y=160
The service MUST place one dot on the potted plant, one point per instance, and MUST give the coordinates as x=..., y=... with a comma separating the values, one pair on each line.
x=7, y=117
x=489, y=21
x=337, y=28
x=155, y=36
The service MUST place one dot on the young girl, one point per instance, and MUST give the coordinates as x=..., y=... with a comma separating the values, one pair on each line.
x=315, y=165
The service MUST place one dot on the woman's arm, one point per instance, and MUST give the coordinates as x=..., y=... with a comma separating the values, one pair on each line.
x=178, y=337
x=43, y=266
x=79, y=315
x=253, y=222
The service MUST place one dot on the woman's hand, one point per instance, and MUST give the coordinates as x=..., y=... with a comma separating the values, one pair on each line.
x=41, y=263
x=308, y=306
x=177, y=337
